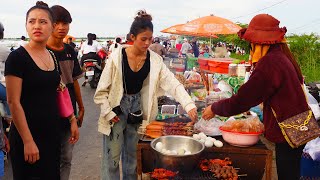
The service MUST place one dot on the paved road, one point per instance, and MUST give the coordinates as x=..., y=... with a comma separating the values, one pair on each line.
x=87, y=152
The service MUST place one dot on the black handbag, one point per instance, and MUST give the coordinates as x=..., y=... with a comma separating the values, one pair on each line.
x=136, y=117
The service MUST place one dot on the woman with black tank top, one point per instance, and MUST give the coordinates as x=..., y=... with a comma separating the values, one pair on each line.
x=129, y=85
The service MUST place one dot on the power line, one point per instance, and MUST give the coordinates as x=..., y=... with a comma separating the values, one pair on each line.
x=315, y=22
x=260, y=9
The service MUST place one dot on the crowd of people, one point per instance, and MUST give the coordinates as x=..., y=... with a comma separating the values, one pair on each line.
x=41, y=142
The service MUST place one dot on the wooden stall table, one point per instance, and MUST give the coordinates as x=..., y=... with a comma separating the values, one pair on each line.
x=253, y=161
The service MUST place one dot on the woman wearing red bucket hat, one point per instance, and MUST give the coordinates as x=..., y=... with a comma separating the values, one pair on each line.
x=275, y=81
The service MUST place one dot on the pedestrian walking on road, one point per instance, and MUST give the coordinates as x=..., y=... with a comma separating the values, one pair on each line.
x=70, y=73
x=127, y=93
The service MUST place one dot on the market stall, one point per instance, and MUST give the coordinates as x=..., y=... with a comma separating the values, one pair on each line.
x=252, y=161
x=220, y=148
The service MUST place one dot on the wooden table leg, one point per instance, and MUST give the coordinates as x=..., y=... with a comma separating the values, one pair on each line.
x=139, y=162
x=269, y=166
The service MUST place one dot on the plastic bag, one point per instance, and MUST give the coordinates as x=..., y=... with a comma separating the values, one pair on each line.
x=312, y=102
x=193, y=76
x=249, y=124
x=313, y=149
x=210, y=128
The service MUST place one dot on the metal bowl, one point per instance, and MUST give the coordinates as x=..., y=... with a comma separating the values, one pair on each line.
x=178, y=162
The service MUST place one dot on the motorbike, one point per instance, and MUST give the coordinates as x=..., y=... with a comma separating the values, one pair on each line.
x=93, y=69
x=93, y=72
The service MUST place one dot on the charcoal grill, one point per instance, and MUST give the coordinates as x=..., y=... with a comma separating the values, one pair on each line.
x=253, y=161
x=198, y=175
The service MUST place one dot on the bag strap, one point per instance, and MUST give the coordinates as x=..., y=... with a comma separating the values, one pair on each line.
x=55, y=60
x=124, y=78
x=125, y=86
x=294, y=126
x=304, y=92
x=62, y=86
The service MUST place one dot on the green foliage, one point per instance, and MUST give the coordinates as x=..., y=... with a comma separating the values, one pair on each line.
x=239, y=56
x=306, y=49
x=236, y=41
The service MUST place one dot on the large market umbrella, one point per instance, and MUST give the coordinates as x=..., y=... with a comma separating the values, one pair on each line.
x=173, y=29
x=177, y=29
x=209, y=25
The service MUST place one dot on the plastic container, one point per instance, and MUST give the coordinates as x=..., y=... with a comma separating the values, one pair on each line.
x=240, y=139
x=219, y=65
x=232, y=71
x=206, y=67
x=179, y=68
x=203, y=62
x=168, y=109
x=248, y=67
x=241, y=70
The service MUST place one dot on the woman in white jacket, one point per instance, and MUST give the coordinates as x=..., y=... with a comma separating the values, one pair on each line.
x=128, y=87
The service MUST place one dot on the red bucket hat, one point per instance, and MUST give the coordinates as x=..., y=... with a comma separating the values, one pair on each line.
x=263, y=29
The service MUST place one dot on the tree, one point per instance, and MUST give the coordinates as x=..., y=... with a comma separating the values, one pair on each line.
x=306, y=50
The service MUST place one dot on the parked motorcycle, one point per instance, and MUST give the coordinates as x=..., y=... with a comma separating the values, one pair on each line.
x=93, y=72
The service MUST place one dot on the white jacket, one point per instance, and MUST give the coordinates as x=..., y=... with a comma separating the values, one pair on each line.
x=110, y=89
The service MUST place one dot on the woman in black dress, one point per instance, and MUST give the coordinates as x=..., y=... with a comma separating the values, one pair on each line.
x=32, y=79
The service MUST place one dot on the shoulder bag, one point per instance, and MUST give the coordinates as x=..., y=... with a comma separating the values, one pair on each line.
x=299, y=129
x=63, y=97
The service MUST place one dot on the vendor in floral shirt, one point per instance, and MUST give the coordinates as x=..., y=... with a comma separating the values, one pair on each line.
x=275, y=82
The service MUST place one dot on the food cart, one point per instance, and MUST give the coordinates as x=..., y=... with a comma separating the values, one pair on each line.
x=253, y=162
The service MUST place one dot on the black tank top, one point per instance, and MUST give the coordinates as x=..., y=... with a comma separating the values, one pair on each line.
x=132, y=82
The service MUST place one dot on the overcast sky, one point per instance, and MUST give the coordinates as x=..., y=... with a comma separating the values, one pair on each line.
x=114, y=17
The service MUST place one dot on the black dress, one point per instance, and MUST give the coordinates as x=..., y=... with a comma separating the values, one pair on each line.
x=38, y=100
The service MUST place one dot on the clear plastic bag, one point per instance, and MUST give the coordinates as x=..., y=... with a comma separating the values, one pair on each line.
x=210, y=128
x=313, y=149
x=312, y=102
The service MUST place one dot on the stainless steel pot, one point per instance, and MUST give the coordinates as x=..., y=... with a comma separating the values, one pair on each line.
x=178, y=162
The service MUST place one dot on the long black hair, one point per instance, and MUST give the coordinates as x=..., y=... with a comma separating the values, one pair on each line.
x=90, y=39
x=43, y=6
x=141, y=23
x=118, y=40
x=1, y=30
